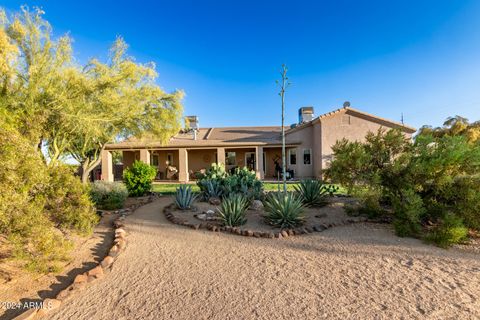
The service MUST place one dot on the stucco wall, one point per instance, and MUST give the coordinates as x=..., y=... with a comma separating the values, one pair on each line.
x=129, y=158
x=201, y=159
x=336, y=127
x=306, y=138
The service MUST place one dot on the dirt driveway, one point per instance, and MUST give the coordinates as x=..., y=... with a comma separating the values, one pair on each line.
x=356, y=272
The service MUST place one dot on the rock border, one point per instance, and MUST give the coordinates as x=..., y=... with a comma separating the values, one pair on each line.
x=284, y=233
x=98, y=272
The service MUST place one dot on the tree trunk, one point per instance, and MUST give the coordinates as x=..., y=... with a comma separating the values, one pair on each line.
x=87, y=167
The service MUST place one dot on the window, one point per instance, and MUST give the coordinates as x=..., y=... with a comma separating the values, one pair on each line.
x=230, y=158
x=154, y=160
x=292, y=157
x=345, y=119
x=307, y=156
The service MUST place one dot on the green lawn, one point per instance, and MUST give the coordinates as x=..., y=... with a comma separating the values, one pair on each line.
x=268, y=186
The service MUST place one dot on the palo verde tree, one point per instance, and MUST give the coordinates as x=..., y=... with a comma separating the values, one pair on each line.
x=69, y=110
x=121, y=100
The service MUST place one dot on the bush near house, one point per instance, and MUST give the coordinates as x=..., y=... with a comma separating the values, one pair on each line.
x=432, y=184
x=216, y=182
x=108, y=195
x=138, y=178
x=314, y=193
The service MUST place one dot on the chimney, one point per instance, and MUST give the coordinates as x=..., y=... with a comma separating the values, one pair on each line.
x=191, y=124
x=305, y=114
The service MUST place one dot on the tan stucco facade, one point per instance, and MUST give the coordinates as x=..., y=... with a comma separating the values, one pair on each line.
x=308, y=146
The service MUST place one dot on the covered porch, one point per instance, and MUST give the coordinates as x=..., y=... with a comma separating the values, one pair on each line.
x=183, y=164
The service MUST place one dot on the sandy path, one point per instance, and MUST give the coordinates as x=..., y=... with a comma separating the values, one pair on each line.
x=355, y=272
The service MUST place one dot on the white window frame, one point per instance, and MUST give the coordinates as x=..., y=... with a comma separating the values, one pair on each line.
x=303, y=157
x=289, y=156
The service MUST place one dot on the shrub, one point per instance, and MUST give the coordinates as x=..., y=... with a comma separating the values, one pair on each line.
x=217, y=181
x=312, y=192
x=108, y=195
x=283, y=210
x=138, y=179
x=184, y=197
x=232, y=210
x=450, y=231
x=424, y=181
x=39, y=205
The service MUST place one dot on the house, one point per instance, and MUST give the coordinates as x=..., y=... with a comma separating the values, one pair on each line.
x=308, y=146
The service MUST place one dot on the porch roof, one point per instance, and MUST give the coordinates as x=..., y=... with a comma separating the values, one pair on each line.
x=212, y=137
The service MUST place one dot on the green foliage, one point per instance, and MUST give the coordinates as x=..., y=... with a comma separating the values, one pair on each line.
x=217, y=182
x=211, y=188
x=434, y=177
x=313, y=192
x=75, y=110
x=108, y=195
x=138, y=178
x=232, y=210
x=283, y=210
x=39, y=205
x=184, y=197
x=450, y=231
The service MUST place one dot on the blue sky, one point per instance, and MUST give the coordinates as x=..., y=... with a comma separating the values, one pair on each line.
x=421, y=58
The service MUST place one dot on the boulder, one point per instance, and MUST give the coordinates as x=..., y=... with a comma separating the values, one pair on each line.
x=97, y=272
x=107, y=262
x=80, y=278
x=256, y=205
x=214, y=201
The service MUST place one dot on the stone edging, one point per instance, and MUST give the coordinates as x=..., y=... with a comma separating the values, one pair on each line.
x=98, y=272
x=285, y=233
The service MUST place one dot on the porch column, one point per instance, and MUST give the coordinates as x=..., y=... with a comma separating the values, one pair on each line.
x=107, y=166
x=221, y=155
x=182, y=165
x=145, y=156
x=259, y=169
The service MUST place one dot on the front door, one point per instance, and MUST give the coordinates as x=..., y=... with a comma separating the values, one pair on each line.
x=250, y=160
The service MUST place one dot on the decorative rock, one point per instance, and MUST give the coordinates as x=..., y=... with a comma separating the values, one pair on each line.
x=107, y=262
x=249, y=233
x=257, y=234
x=80, y=278
x=284, y=234
x=77, y=286
x=215, y=201
x=290, y=232
x=309, y=229
x=278, y=235
x=48, y=305
x=238, y=231
x=97, y=272
x=91, y=279
x=257, y=205
x=271, y=235
x=120, y=231
x=27, y=315
x=122, y=244
x=64, y=294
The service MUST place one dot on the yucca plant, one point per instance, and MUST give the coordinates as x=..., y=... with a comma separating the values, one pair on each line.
x=232, y=210
x=313, y=193
x=283, y=210
x=184, y=197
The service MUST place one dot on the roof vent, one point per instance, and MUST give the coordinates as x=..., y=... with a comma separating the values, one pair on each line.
x=346, y=104
x=305, y=114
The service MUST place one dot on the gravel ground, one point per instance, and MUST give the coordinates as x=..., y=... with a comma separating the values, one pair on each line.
x=360, y=271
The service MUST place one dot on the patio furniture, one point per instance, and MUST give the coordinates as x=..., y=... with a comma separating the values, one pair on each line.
x=171, y=172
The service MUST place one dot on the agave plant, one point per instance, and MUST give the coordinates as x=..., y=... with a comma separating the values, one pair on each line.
x=313, y=193
x=184, y=197
x=211, y=188
x=283, y=210
x=232, y=210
